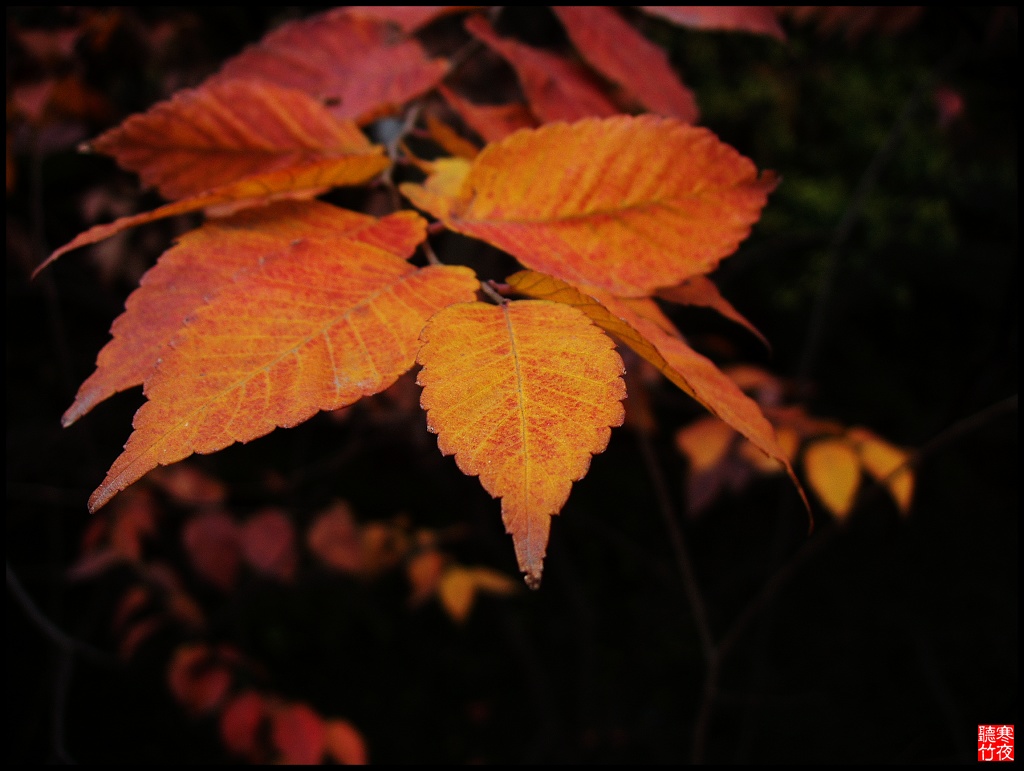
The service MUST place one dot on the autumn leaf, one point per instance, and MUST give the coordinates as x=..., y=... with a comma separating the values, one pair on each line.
x=459, y=586
x=345, y=744
x=408, y=18
x=620, y=53
x=205, y=138
x=197, y=679
x=640, y=324
x=492, y=122
x=887, y=464
x=298, y=733
x=268, y=543
x=758, y=19
x=627, y=204
x=833, y=472
x=357, y=63
x=522, y=394
x=318, y=325
x=207, y=260
x=701, y=291
x=240, y=723
x=212, y=540
x=555, y=87
x=705, y=443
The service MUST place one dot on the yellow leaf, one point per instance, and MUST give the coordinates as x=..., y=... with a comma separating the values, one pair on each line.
x=459, y=586
x=522, y=394
x=833, y=471
x=704, y=442
x=882, y=461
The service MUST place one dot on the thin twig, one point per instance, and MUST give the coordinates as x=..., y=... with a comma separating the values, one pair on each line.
x=679, y=549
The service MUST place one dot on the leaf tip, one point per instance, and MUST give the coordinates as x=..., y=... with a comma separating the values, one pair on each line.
x=532, y=579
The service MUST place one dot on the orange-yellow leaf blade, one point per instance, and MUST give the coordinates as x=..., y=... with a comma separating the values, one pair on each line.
x=627, y=204
x=523, y=394
x=205, y=261
x=315, y=329
x=212, y=136
x=833, y=471
x=886, y=463
x=359, y=64
x=556, y=88
x=254, y=191
x=640, y=324
x=616, y=50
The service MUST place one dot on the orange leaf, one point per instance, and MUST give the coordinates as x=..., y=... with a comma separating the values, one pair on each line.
x=459, y=586
x=701, y=291
x=640, y=324
x=207, y=260
x=758, y=19
x=616, y=50
x=321, y=324
x=626, y=204
x=705, y=442
x=345, y=744
x=205, y=138
x=885, y=463
x=556, y=88
x=334, y=537
x=196, y=679
x=446, y=137
x=522, y=394
x=491, y=121
x=299, y=734
x=357, y=63
x=833, y=471
x=305, y=181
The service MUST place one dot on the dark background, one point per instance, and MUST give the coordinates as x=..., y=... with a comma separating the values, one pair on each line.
x=884, y=640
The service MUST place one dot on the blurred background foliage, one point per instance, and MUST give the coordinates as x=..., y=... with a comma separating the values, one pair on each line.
x=884, y=274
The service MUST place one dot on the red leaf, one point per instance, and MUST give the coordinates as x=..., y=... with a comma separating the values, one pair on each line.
x=358, y=63
x=758, y=19
x=556, y=88
x=212, y=541
x=299, y=734
x=196, y=680
x=240, y=724
x=268, y=543
x=620, y=53
x=491, y=122
x=408, y=18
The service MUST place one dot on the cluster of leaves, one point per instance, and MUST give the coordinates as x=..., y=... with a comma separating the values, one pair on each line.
x=833, y=456
x=281, y=306
x=228, y=555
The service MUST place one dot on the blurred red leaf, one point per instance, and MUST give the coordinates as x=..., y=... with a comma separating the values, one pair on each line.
x=758, y=19
x=556, y=87
x=345, y=744
x=491, y=121
x=213, y=543
x=299, y=734
x=268, y=543
x=240, y=724
x=196, y=679
x=336, y=540
x=620, y=53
